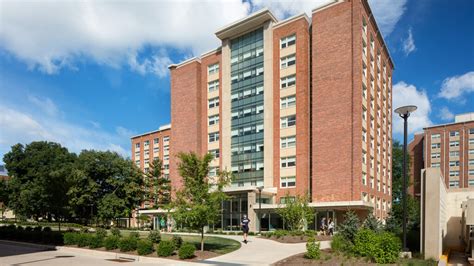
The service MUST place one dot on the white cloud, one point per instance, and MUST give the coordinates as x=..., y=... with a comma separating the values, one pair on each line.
x=407, y=94
x=49, y=34
x=157, y=64
x=409, y=43
x=44, y=103
x=24, y=127
x=445, y=114
x=282, y=9
x=455, y=87
x=387, y=13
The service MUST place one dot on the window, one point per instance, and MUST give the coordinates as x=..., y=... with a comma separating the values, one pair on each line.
x=137, y=145
x=212, y=171
x=471, y=182
x=453, y=163
x=213, y=85
x=287, y=81
x=287, y=181
x=287, y=162
x=437, y=165
x=288, y=41
x=213, y=137
x=471, y=151
x=287, y=61
x=364, y=157
x=453, y=173
x=453, y=183
x=454, y=143
x=471, y=141
x=454, y=133
x=364, y=179
x=155, y=141
x=215, y=153
x=471, y=131
x=214, y=68
x=288, y=101
x=288, y=121
x=435, y=155
x=471, y=161
x=436, y=145
x=453, y=153
x=364, y=135
x=288, y=142
x=137, y=163
x=284, y=200
x=364, y=91
x=213, y=120
x=435, y=136
x=214, y=102
x=166, y=139
x=364, y=113
x=471, y=172
x=166, y=157
x=156, y=150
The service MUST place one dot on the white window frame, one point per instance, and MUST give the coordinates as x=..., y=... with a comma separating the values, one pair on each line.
x=213, y=120
x=287, y=181
x=287, y=81
x=213, y=85
x=288, y=142
x=287, y=41
x=285, y=121
x=286, y=161
x=214, y=68
x=213, y=137
x=288, y=101
x=287, y=61
x=212, y=103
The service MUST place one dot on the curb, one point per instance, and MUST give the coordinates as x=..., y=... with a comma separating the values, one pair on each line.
x=28, y=244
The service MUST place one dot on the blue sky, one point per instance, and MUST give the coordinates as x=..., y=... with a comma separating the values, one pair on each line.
x=91, y=74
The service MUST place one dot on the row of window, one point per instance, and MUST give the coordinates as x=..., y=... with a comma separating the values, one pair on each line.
x=453, y=133
x=252, y=110
x=156, y=141
x=453, y=143
x=247, y=93
x=452, y=163
x=247, y=74
x=455, y=183
x=247, y=130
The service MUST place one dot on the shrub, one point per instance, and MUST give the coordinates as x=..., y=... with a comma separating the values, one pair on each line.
x=83, y=239
x=365, y=243
x=47, y=229
x=28, y=229
x=186, y=251
x=115, y=232
x=349, y=227
x=312, y=249
x=128, y=243
x=372, y=223
x=111, y=242
x=280, y=233
x=134, y=234
x=389, y=248
x=310, y=233
x=177, y=241
x=340, y=244
x=37, y=229
x=101, y=232
x=154, y=236
x=165, y=249
x=144, y=247
x=96, y=241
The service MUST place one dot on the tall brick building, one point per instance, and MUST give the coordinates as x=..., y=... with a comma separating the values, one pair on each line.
x=299, y=107
x=449, y=147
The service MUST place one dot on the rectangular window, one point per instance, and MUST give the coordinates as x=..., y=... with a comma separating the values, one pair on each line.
x=287, y=81
x=137, y=145
x=213, y=137
x=214, y=102
x=471, y=151
x=453, y=173
x=453, y=153
x=471, y=161
x=288, y=101
x=454, y=133
x=287, y=61
x=166, y=139
x=146, y=143
x=288, y=41
x=471, y=131
x=166, y=157
x=212, y=171
x=155, y=141
x=436, y=145
x=435, y=136
x=287, y=181
x=454, y=184
x=288, y=142
x=214, y=68
x=364, y=135
x=364, y=157
x=213, y=85
x=435, y=155
x=471, y=172
x=287, y=162
x=471, y=141
x=284, y=200
x=454, y=143
x=288, y=121
x=213, y=120
x=364, y=178
x=470, y=182
x=436, y=165
x=215, y=153
x=453, y=163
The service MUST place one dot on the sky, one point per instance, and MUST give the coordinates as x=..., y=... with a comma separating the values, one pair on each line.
x=90, y=74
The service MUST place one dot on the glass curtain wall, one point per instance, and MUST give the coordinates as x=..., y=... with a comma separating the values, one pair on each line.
x=247, y=108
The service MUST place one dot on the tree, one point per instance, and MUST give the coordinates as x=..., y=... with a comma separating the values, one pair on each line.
x=348, y=229
x=4, y=195
x=39, y=179
x=372, y=223
x=157, y=185
x=296, y=214
x=198, y=203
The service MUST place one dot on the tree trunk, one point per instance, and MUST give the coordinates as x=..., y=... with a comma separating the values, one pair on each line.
x=202, y=238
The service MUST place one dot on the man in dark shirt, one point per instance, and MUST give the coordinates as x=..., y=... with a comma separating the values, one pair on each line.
x=245, y=227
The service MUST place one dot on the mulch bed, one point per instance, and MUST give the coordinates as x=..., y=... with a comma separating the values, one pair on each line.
x=296, y=239
x=327, y=258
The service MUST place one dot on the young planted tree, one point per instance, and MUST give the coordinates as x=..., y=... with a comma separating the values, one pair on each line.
x=157, y=185
x=296, y=214
x=198, y=203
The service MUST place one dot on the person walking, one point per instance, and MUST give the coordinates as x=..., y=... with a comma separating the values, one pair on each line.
x=169, y=224
x=322, y=226
x=162, y=224
x=331, y=227
x=245, y=227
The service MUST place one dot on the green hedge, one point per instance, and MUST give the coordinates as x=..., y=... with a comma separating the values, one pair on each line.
x=186, y=251
x=144, y=247
x=165, y=249
x=128, y=243
x=379, y=247
x=312, y=249
x=177, y=241
x=29, y=234
x=154, y=236
x=111, y=242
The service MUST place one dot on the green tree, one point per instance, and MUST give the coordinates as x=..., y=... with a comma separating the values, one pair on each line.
x=372, y=223
x=198, y=203
x=39, y=179
x=4, y=196
x=349, y=227
x=296, y=214
x=157, y=185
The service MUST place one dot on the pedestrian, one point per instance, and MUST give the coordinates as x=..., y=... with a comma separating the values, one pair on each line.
x=162, y=224
x=245, y=227
x=331, y=227
x=322, y=226
x=169, y=224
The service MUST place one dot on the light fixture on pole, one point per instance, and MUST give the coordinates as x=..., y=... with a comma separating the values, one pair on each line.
x=404, y=112
x=260, y=188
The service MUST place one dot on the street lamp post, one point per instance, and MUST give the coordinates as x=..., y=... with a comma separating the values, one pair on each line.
x=404, y=112
x=260, y=209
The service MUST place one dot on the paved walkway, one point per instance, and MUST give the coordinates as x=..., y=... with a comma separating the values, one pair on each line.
x=258, y=251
